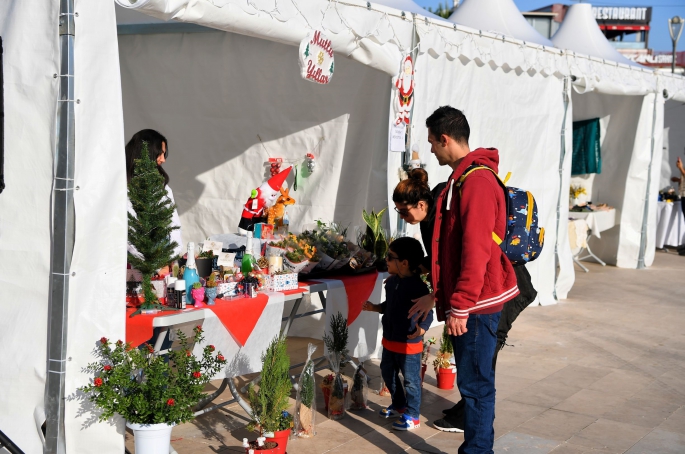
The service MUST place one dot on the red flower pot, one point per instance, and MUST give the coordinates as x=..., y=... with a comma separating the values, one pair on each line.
x=446, y=378
x=280, y=437
x=423, y=371
x=270, y=450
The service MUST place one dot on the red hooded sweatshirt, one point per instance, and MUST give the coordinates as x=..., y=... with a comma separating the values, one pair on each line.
x=471, y=274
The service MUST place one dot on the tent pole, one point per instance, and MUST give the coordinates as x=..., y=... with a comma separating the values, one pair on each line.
x=62, y=237
x=645, y=214
x=562, y=156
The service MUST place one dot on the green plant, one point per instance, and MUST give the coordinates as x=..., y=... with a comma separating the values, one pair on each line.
x=336, y=342
x=146, y=388
x=307, y=392
x=426, y=349
x=197, y=285
x=211, y=282
x=149, y=226
x=445, y=342
x=271, y=399
x=206, y=255
x=295, y=256
x=373, y=240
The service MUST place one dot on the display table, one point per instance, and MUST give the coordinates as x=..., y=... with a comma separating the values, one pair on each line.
x=670, y=224
x=597, y=222
x=243, y=328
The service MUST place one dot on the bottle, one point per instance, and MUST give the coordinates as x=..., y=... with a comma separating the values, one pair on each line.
x=246, y=266
x=190, y=274
x=170, y=292
x=180, y=291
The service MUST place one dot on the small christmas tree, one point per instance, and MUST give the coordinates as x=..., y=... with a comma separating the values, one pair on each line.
x=149, y=229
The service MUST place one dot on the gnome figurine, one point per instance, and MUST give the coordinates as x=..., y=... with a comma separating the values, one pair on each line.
x=261, y=199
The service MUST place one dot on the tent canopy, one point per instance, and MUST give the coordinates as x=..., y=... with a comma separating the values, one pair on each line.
x=580, y=33
x=500, y=16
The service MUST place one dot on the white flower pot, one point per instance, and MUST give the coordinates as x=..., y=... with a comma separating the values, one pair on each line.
x=151, y=438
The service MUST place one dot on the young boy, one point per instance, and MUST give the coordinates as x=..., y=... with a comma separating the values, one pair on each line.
x=402, y=336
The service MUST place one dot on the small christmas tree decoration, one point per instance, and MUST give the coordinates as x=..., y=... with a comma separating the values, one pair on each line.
x=149, y=226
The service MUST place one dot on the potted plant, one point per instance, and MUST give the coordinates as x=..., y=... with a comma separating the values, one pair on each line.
x=150, y=392
x=374, y=240
x=210, y=290
x=295, y=260
x=270, y=400
x=198, y=294
x=424, y=356
x=326, y=385
x=149, y=226
x=204, y=263
x=336, y=352
x=305, y=405
x=578, y=196
x=444, y=370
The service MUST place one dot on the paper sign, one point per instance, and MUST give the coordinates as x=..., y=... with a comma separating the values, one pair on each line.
x=397, y=137
x=214, y=246
x=226, y=259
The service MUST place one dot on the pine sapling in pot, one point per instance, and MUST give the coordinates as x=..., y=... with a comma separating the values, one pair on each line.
x=336, y=345
x=305, y=406
x=149, y=226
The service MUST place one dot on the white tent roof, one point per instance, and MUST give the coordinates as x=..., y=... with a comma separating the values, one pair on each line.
x=500, y=16
x=409, y=6
x=580, y=33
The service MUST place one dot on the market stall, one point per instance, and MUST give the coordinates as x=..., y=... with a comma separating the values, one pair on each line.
x=621, y=98
x=670, y=224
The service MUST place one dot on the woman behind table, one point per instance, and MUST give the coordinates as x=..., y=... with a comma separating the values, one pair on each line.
x=158, y=149
x=413, y=200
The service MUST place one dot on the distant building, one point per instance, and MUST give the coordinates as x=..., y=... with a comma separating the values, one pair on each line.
x=626, y=27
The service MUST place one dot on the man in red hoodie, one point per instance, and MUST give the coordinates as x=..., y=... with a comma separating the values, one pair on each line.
x=472, y=277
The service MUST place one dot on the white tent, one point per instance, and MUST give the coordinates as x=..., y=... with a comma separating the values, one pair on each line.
x=497, y=16
x=206, y=107
x=619, y=93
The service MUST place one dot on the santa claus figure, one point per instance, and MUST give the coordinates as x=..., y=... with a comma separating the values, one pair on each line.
x=261, y=199
x=405, y=88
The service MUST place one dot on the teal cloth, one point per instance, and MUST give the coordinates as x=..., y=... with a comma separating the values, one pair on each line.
x=587, y=153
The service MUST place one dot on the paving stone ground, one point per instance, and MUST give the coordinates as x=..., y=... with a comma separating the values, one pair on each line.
x=601, y=372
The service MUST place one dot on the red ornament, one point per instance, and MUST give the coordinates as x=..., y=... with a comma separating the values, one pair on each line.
x=97, y=382
x=197, y=374
x=170, y=402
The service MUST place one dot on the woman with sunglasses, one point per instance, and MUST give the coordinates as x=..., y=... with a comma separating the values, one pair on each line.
x=413, y=200
x=158, y=150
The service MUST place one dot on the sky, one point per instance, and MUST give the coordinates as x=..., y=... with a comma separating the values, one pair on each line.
x=662, y=10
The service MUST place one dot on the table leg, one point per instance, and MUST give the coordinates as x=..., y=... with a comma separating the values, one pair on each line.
x=590, y=254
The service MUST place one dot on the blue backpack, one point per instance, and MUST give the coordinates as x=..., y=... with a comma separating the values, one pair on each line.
x=524, y=238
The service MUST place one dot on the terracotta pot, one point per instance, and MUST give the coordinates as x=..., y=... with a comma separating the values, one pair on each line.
x=423, y=371
x=280, y=437
x=446, y=378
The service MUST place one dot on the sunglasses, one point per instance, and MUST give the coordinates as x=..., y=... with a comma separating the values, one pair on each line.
x=404, y=212
x=390, y=258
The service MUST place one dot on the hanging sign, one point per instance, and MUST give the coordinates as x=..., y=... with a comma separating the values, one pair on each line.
x=397, y=137
x=316, y=58
x=404, y=83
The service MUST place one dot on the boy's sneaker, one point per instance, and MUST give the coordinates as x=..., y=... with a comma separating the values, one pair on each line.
x=390, y=412
x=406, y=423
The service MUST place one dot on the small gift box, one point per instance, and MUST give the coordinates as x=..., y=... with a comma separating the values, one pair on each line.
x=227, y=289
x=280, y=282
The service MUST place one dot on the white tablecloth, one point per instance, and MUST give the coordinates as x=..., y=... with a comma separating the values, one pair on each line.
x=597, y=221
x=670, y=224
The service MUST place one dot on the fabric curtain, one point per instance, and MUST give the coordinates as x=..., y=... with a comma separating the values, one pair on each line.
x=587, y=152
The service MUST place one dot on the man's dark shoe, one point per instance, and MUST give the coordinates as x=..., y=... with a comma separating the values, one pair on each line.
x=448, y=424
x=457, y=410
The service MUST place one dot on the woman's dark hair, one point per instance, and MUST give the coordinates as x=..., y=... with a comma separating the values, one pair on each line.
x=134, y=149
x=409, y=249
x=451, y=122
x=413, y=189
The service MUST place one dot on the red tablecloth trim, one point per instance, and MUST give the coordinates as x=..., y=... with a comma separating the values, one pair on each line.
x=240, y=316
x=139, y=328
x=358, y=288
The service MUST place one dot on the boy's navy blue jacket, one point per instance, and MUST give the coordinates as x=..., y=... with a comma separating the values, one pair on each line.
x=399, y=293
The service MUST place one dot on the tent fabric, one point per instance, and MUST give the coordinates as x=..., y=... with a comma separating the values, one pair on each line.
x=499, y=16
x=519, y=114
x=225, y=112
x=30, y=94
x=587, y=156
x=674, y=86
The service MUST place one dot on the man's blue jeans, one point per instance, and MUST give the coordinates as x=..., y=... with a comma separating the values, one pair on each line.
x=473, y=352
x=410, y=365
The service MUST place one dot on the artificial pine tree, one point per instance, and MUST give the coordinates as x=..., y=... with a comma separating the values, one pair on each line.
x=149, y=229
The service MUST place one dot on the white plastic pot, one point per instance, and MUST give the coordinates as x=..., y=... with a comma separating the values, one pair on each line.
x=151, y=438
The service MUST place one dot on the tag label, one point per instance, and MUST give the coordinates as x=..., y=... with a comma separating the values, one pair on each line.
x=397, y=137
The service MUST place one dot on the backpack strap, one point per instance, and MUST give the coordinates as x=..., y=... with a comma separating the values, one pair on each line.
x=472, y=169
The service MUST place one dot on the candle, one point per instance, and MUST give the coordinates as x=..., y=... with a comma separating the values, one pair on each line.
x=275, y=264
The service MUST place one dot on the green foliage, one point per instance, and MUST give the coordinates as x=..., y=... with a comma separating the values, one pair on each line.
x=445, y=342
x=150, y=228
x=145, y=388
x=337, y=341
x=441, y=10
x=307, y=391
x=374, y=239
x=271, y=399
x=197, y=285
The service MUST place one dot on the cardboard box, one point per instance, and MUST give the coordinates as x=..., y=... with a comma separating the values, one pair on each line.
x=264, y=231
